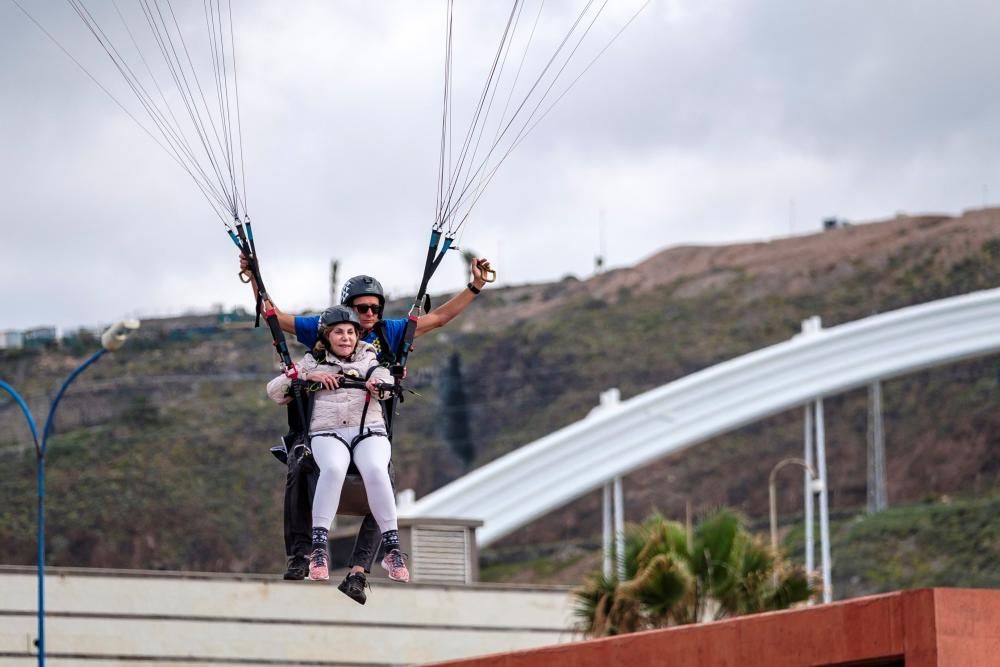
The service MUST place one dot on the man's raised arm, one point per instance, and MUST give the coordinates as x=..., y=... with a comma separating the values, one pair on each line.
x=449, y=310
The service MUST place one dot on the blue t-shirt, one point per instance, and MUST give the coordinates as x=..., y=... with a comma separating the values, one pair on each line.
x=307, y=333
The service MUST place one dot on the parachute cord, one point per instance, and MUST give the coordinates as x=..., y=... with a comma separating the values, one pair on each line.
x=224, y=142
x=469, y=202
x=510, y=95
x=524, y=133
x=172, y=140
x=174, y=129
x=194, y=101
x=162, y=37
x=445, y=115
x=562, y=68
x=480, y=119
x=239, y=123
x=222, y=86
x=174, y=152
x=552, y=59
x=168, y=50
x=477, y=193
x=520, y=67
x=172, y=133
x=578, y=76
x=455, y=176
x=214, y=25
x=541, y=76
x=496, y=87
x=89, y=75
x=219, y=96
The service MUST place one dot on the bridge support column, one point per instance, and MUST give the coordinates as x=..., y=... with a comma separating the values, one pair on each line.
x=808, y=497
x=606, y=541
x=619, y=529
x=614, y=524
x=814, y=415
x=878, y=498
x=824, y=503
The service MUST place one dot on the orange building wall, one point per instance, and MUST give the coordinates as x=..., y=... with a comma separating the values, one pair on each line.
x=922, y=628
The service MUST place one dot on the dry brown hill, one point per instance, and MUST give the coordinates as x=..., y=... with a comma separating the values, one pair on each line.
x=787, y=266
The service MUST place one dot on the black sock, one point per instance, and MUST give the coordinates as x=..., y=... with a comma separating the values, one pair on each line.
x=319, y=537
x=390, y=539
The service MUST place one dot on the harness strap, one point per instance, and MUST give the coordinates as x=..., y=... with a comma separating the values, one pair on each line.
x=331, y=434
x=362, y=431
x=388, y=355
x=354, y=441
x=299, y=415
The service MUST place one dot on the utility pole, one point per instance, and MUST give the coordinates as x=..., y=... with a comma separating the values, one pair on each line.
x=599, y=259
x=334, y=295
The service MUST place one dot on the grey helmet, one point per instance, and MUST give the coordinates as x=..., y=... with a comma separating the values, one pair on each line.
x=361, y=286
x=337, y=315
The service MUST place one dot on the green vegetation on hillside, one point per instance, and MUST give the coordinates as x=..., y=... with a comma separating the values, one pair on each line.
x=948, y=542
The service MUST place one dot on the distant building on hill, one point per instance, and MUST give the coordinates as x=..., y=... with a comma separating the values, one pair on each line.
x=11, y=340
x=834, y=223
x=238, y=316
x=39, y=336
x=183, y=327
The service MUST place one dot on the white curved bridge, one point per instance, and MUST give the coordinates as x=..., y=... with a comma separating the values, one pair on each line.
x=617, y=439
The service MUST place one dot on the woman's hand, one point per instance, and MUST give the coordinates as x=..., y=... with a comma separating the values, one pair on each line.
x=328, y=380
x=372, y=385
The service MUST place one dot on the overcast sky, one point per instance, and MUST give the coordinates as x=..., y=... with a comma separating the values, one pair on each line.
x=706, y=122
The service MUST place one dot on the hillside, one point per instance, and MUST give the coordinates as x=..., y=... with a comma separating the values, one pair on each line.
x=161, y=455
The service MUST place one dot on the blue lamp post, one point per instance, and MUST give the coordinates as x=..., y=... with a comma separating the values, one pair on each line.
x=111, y=340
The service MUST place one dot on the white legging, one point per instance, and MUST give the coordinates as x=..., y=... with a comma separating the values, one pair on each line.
x=371, y=456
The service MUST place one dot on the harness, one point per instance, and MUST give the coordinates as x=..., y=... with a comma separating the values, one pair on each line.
x=297, y=443
x=387, y=356
x=364, y=431
x=386, y=353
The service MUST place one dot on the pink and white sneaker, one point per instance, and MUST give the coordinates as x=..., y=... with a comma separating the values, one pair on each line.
x=395, y=562
x=319, y=569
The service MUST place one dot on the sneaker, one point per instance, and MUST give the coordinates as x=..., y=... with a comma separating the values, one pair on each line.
x=319, y=570
x=353, y=586
x=395, y=563
x=298, y=568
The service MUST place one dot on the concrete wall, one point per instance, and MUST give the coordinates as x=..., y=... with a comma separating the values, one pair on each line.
x=922, y=628
x=100, y=617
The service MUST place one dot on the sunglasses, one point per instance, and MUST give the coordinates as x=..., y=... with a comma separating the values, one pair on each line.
x=363, y=308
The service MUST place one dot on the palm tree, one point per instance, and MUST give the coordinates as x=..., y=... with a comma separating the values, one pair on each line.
x=673, y=578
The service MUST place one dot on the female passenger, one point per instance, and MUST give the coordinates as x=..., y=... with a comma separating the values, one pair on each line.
x=346, y=424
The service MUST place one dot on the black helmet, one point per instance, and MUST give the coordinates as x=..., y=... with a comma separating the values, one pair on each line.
x=337, y=315
x=361, y=286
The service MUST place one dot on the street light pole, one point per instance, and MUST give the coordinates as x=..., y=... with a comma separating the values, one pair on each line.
x=111, y=340
x=49, y=421
x=773, y=494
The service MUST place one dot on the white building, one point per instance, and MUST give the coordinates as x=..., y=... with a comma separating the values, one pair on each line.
x=11, y=340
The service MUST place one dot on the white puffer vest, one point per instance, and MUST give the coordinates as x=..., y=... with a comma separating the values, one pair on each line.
x=337, y=408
